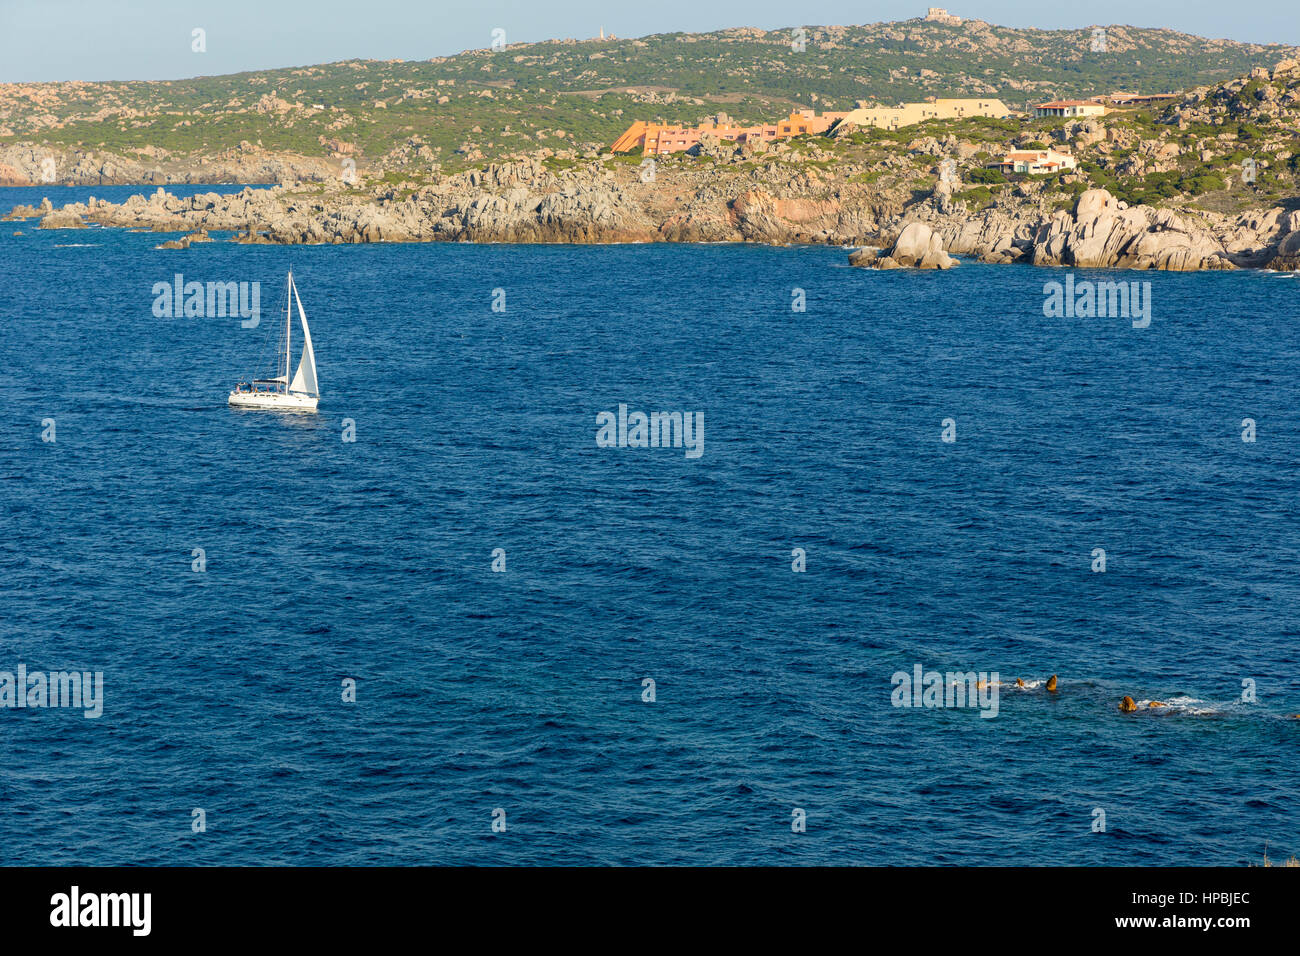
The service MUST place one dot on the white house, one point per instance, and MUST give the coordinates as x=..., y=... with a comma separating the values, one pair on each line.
x=1070, y=108
x=1034, y=161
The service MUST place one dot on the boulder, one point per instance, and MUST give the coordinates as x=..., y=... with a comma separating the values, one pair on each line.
x=1101, y=234
x=62, y=219
x=184, y=242
x=917, y=247
x=1287, y=255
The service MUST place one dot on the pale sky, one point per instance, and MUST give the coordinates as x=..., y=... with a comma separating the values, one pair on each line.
x=151, y=39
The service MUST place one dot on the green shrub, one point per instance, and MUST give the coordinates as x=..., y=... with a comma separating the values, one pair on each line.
x=978, y=197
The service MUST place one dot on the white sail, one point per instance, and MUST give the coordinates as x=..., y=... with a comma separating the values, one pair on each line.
x=304, y=380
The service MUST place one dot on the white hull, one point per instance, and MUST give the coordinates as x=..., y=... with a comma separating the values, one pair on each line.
x=278, y=401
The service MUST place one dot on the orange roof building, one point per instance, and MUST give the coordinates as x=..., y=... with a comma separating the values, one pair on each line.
x=656, y=139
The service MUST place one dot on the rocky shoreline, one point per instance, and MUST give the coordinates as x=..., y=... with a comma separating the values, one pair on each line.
x=525, y=201
x=1100, y=232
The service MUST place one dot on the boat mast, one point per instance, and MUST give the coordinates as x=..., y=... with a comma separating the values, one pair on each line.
x=288, y=326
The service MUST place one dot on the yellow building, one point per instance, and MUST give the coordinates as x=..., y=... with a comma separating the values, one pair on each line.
x=940, y=15
x=906, y=114
x=655, y=138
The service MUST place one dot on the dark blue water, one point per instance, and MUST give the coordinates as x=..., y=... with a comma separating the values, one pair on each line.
x=522, y=690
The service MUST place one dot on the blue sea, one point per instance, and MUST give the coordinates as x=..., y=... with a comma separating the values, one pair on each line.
x=484, y=696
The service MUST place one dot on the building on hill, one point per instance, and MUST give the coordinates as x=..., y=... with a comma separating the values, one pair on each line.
x=1060, y=108
x=1138, y=99
x=656, y=138
x=906, y=114
x=940, y=15
x=1034, y=161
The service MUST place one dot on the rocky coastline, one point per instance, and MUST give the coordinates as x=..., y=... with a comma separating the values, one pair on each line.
x=525, y=201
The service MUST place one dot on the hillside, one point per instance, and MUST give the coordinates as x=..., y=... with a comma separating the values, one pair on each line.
x=456, y=112
x=1164, y=191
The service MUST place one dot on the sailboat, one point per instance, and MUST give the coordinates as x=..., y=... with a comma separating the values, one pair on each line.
x=299, y=394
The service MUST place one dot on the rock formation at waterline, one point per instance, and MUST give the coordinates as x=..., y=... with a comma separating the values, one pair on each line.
x=917, y=246
x=1102, y=232
x=525, y=201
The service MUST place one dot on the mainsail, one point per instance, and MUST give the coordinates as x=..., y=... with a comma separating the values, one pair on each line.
x=304, y=380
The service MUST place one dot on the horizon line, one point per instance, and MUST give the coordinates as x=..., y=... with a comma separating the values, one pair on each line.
x=619, y=39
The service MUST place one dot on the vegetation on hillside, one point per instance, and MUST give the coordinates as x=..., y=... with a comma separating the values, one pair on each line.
x=457, y=111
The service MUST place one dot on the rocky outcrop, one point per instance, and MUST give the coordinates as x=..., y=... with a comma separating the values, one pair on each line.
x=1284, y=254
x=917, y=247
x=754, y=214
x=991, y=236
x=522, y=201
x=599, y=200
x=184, y=242
x=1286, y=257
x=1103, y=233
x=62, y=219
x=26, y=164
x=501, y=204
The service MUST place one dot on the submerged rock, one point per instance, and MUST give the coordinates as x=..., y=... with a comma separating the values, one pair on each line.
x=184, y=242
